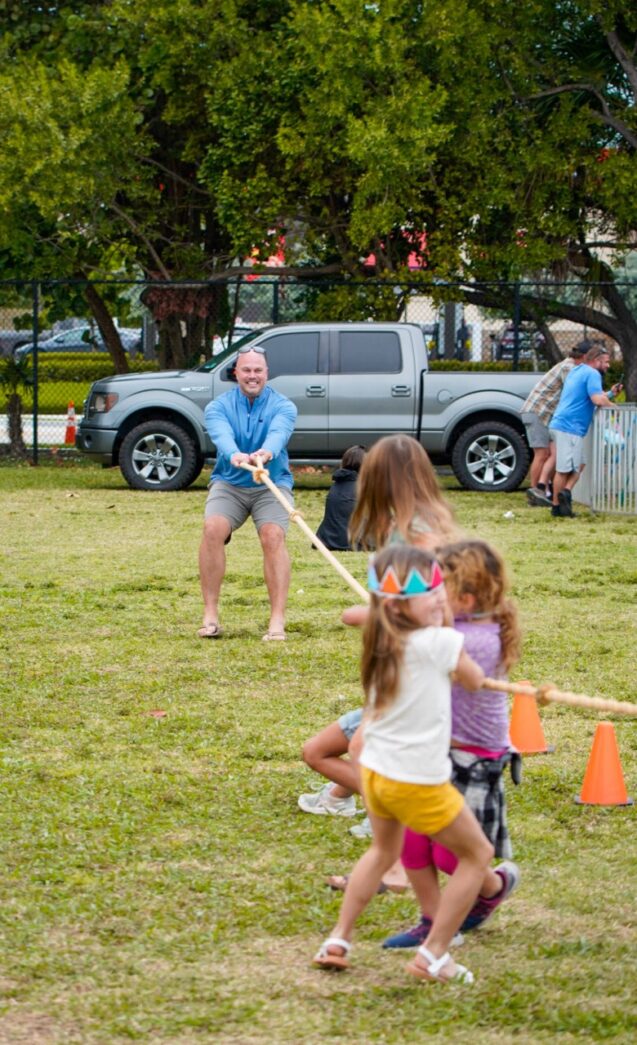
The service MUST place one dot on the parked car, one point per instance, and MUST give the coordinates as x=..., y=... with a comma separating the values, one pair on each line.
x=12, y=339
x=80, y=339
x=530, y=344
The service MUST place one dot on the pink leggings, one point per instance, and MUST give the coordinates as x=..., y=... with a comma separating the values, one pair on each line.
x=420, y=851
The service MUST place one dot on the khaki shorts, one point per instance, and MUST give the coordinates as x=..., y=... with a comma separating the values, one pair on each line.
x=236, y=503
x=425, y=808
x=569, y=451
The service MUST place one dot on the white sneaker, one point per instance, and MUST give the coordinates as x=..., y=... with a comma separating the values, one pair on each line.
x=323, y=802
x=362, y=830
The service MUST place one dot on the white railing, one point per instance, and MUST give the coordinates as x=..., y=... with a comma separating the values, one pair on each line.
x=609, y=481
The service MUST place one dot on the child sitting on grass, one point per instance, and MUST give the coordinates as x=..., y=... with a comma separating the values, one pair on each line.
x=340, y=501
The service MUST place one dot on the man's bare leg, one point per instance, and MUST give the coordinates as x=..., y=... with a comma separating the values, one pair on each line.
x=212, y=564
x=540, y=455
x=548, y=468
x=276, y=571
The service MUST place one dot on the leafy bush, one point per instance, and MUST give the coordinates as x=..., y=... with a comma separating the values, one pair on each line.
x=457, y=364
x=92, y=366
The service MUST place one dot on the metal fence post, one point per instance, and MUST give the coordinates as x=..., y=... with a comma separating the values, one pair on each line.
x=275, y=301
x=516, y=326
x=36, y=308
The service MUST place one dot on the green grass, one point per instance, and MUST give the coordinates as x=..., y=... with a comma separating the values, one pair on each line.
x=159, y=883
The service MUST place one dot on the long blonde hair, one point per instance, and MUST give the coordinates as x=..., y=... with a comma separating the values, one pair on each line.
x=387, y=628
x=396, y=485
x=473, y=567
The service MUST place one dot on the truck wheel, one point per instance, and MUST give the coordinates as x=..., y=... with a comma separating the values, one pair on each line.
x=159, y=455
x=490, y=456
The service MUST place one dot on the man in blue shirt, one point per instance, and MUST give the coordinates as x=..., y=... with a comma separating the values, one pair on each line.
x=250, y=421
x=581, y=393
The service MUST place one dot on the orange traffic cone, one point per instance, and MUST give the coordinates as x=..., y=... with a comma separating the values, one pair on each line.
x=525, y=727
x=71, y=428
x=604, y=781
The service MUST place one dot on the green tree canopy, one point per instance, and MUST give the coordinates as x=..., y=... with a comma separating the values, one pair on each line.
x=170, y=138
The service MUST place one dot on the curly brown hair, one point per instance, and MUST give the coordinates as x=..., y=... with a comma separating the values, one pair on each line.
x=387, y=628
x=396, y=486
x=473, y=567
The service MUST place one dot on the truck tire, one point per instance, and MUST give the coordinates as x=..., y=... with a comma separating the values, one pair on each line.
x=159, y=455
x=491, y=456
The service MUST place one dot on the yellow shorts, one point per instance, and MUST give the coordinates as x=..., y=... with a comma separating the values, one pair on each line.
x=425, y=808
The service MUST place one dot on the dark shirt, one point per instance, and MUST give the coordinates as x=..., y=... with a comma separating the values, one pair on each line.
x=339, y=506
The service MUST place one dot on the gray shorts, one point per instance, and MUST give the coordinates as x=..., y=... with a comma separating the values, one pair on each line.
x=537, y=432
x=569, y=448
x=236, y=503
x=350, y=721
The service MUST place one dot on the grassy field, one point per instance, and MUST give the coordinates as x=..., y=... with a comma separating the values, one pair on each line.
x=159, y=883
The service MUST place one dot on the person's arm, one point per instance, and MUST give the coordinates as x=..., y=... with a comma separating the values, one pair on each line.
x=355, y=745
x=220, y=430
x=469, y=674
x=279, y=431
x=606, y=398
x=355, y=616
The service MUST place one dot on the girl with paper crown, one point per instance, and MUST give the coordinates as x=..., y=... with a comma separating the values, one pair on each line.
x=408, y=658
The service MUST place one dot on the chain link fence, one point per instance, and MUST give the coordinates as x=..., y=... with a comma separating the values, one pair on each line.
x=52, y=347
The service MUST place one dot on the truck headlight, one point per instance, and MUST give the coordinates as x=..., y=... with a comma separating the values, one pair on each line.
x=102, y=402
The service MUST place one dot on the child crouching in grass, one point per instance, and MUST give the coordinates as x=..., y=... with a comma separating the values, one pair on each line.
x=407, y=662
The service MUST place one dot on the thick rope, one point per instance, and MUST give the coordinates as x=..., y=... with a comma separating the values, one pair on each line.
x=261, y=475
x=549, y=694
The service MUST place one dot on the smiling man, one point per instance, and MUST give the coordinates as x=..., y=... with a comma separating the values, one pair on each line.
x=250, y=421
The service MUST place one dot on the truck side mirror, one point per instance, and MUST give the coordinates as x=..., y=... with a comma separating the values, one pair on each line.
x=228, y=373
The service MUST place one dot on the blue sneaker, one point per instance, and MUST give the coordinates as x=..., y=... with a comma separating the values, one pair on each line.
x=483, y=908
x=416, y=936
x=411, y=937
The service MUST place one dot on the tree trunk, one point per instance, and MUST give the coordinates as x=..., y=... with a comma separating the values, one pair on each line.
x=553, y=352
x=627, y=340
x=14, y=417
x=107, y=329
x=172, y=351
x=617, y=323
x=625, y=336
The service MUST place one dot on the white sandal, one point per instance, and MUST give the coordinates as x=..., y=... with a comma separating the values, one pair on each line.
x=324, y=960
x=435, y=967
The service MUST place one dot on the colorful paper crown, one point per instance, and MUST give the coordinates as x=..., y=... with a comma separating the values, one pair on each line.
x=389, y=587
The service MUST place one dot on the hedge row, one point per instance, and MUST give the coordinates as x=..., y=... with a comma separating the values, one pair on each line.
x=457, y=364
x=614, y=373
x=70, y=366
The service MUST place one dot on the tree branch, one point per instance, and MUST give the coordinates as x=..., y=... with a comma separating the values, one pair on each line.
x=142, y=236
x=624, y=60
x=606, y=117
x=173, y=174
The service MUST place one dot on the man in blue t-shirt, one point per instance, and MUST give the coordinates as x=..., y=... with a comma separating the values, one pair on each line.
x=251, y=421
x=581, y=393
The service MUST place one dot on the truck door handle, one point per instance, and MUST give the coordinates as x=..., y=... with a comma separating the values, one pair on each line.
x=315, y=391
x=401, y=390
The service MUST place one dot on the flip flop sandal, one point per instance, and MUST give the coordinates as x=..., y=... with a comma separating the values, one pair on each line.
x=434, y=970
x=338, y=962
x=275, y=636
x=210, y=631
x=339, y=882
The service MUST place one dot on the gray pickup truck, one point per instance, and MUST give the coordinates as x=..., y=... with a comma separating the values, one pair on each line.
x=351, y=382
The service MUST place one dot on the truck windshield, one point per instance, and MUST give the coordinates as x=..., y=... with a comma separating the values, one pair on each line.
x=232, y=350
